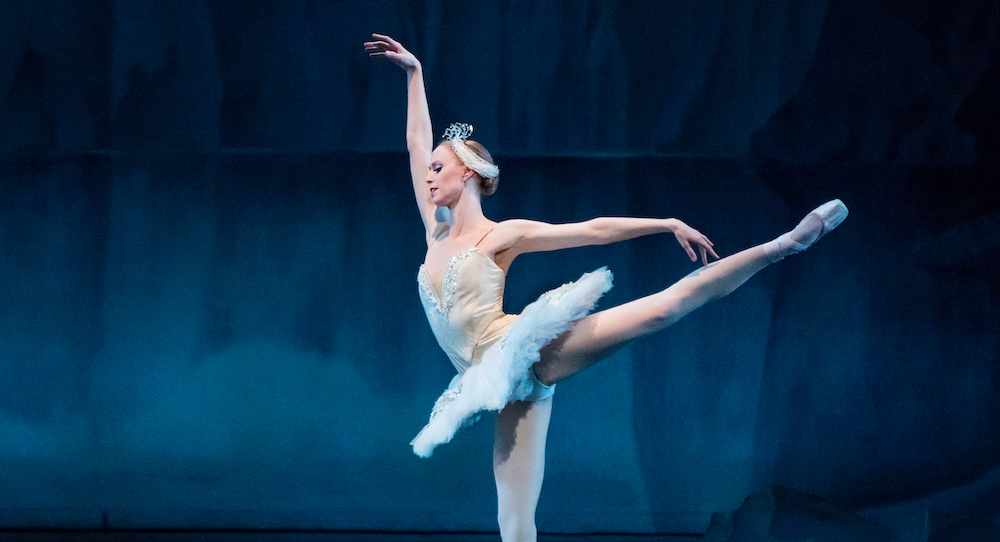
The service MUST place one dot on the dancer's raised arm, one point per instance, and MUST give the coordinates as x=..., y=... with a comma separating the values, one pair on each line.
x=419, y=134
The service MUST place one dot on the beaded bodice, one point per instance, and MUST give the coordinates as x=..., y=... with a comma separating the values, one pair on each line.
x=467, y=315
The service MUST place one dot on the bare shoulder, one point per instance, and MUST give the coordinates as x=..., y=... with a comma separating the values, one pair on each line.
x=508, y=239
x=508, y=232
x=521, y=226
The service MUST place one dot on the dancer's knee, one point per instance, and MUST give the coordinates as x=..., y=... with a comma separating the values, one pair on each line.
x=671, y=305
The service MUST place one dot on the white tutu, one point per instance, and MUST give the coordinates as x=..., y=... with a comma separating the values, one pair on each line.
x=504, y=375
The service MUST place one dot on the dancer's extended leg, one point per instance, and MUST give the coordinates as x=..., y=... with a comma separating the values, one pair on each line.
x=599, y=335
x=518, y=466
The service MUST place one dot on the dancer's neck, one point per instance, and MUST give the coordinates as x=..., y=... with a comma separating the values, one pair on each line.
x=466, y=215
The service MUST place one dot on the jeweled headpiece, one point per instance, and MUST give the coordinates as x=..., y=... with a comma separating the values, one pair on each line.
x=456, y=134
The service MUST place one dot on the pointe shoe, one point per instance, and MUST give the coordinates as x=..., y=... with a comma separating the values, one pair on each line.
x=831, y=213
x=804, y=235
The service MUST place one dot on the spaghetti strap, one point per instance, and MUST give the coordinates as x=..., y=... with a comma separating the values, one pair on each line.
x=483, y=237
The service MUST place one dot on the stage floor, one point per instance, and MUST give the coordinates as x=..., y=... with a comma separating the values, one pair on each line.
x=269, y=536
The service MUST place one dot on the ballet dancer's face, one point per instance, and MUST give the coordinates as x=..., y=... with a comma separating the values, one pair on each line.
x=447, y=176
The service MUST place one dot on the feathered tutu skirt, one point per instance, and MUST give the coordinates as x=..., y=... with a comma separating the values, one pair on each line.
x=504, y=375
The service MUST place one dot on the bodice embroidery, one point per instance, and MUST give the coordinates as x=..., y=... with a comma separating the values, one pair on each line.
x=449, y=282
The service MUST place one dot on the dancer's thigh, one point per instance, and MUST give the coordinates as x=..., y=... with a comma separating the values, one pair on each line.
x=601, y=334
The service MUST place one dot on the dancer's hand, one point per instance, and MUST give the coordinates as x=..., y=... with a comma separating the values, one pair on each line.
x=383, y=45
x=689, y=237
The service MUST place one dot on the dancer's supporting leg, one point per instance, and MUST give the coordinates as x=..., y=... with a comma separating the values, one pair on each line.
x=600, y=334
x=518, y=466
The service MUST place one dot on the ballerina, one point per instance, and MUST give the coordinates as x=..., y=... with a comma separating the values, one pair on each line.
x=511, y=363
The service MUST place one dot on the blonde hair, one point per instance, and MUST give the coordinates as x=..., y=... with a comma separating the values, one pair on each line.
x=488, y=185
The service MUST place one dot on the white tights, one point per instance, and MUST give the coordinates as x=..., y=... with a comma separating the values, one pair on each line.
x=518, y=466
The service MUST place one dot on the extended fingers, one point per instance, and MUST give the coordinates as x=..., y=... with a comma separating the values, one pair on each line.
x=707, y=247
x=704, y=247
x=690, y=250
x=385, y=41
x=381, y=44
x=376, y=47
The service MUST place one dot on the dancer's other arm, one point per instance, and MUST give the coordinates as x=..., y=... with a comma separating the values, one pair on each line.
x=419, y=134
x=524, y=236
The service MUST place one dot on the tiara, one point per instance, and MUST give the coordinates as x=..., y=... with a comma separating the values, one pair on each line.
x=458, y=130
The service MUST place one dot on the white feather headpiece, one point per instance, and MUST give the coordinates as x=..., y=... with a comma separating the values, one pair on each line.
x=456, y=134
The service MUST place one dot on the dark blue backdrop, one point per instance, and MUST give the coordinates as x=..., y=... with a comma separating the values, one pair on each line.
x=208, y=248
